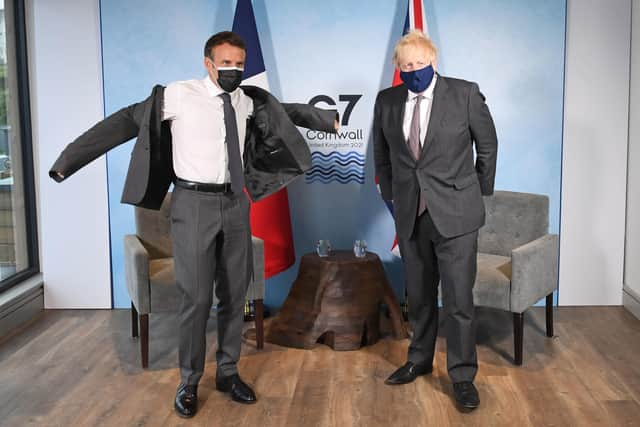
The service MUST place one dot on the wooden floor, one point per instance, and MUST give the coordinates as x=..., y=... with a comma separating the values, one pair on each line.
x=81, y=368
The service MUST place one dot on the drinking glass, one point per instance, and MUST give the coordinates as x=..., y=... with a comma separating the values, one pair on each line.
x=323, y=247
x=360, y=248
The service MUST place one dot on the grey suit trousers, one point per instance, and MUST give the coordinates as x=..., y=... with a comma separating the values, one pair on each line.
x=211, y=243
x=429, y=258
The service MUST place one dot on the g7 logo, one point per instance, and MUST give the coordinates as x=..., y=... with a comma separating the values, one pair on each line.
x=351, y=101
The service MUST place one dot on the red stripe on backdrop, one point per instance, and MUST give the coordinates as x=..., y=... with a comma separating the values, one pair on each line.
x=417, y=10
x=270, y=221
x=396, y=77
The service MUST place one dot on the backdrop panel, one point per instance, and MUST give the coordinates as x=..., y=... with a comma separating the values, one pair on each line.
x=337, y=52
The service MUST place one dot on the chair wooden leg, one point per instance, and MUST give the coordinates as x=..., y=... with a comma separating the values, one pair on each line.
x=518, y=330
x=259, y=319
x=144, y=340
x=549, y=314
x=134, y=321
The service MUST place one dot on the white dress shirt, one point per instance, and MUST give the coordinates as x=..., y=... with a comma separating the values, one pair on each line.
x=425, y=111
x=197, y=128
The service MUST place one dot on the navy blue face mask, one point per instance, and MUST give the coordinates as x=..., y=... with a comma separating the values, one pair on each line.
x=417, y=81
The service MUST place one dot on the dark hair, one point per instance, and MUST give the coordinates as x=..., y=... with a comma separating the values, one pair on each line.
x=221, y=38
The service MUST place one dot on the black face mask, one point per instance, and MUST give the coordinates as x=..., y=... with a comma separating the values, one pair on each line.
x=229, y=78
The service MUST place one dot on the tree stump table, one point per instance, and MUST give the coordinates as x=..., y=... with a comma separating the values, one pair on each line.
x=336, y=300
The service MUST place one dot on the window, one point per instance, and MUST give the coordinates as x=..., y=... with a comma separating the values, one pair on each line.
x=18, y=241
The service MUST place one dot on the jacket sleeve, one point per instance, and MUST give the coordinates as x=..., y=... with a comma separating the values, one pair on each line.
x=114, y=130
x=483, y=133
x=381, y=156
x=307, y=116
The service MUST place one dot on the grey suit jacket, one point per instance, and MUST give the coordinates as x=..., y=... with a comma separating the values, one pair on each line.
x=275, y=152
x=452, y=183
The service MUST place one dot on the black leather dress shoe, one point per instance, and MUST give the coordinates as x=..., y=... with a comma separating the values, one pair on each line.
x=466, y=395
x=240, y=392
x=186, y=403
x=407, y=373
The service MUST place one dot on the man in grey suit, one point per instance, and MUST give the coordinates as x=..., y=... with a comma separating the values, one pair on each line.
x=424, y=136
x=213, y=139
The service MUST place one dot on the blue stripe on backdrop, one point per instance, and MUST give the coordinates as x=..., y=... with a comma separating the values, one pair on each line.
x=513, y=48
x=244, y=24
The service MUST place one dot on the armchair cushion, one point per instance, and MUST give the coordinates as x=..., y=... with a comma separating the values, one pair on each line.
x=493, y=281
x=153, y=228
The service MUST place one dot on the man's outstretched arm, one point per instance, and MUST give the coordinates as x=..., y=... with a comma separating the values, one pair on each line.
x=114, y=130
x=310, y=117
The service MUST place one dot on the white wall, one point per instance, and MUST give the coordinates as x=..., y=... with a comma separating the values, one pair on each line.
x=632, y=253
x=67, y=98
x=594, y=152
x=66, y=93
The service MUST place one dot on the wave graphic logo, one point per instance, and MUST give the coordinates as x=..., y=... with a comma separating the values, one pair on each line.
x=336, y=167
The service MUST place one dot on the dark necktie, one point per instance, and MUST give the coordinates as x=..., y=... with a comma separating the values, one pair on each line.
x=233, y=145
x=414, y=146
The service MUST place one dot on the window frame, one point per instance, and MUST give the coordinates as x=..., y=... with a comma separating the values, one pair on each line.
x=26, y=148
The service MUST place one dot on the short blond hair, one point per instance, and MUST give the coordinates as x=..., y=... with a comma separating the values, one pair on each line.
x=417, y=38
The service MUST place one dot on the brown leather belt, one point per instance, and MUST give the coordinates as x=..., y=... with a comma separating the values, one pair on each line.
x=204, y=187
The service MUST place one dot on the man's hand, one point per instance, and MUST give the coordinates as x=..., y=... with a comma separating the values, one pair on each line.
x=336, y=124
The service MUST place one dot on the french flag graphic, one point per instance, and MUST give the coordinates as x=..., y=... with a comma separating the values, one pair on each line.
x=416, y=19
x=270, y=218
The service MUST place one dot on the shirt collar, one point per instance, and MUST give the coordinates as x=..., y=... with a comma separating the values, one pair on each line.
x=213, y=89
x=428, y=93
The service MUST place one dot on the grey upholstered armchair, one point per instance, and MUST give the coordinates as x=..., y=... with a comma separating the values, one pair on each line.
x=517, y=259
x=150, y=276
